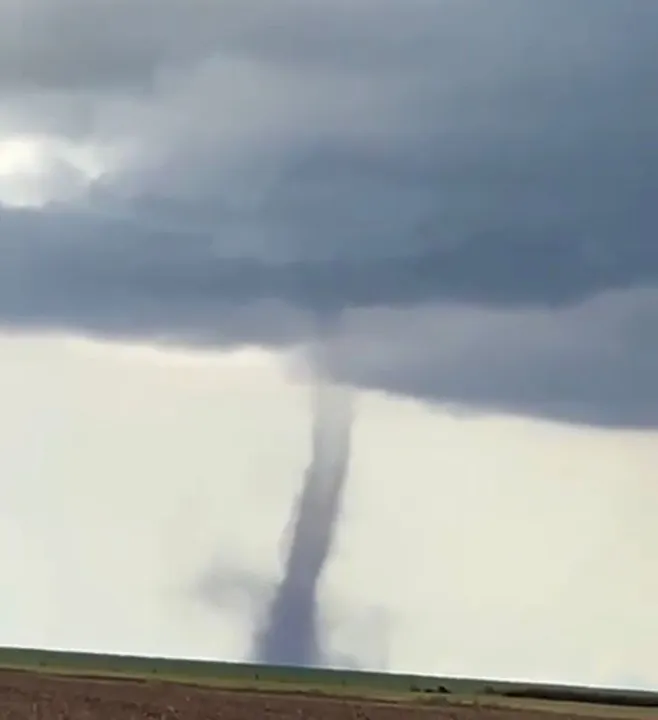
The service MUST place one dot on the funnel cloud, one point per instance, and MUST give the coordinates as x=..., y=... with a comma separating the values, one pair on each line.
x=291, y=634
x=292, y=631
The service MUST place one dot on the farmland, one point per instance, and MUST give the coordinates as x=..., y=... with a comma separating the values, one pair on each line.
x=102, y=686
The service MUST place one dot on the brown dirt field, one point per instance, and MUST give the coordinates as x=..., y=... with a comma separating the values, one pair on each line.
x=32, y=695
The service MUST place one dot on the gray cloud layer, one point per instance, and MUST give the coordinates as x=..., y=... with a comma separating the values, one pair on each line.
x=386, y=159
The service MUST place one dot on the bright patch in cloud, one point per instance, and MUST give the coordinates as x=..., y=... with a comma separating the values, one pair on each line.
x=38, y=169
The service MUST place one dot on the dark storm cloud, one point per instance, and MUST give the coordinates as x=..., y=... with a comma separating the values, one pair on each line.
x=89, y=266
x=296, y=158
x=74, y=45
x=594, y=363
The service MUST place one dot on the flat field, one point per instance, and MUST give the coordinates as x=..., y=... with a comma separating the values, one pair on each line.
x=47, y=684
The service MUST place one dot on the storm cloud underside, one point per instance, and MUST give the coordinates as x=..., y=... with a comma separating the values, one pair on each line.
x=495, y=183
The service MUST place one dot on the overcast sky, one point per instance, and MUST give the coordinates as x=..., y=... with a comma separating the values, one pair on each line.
x=469, y=186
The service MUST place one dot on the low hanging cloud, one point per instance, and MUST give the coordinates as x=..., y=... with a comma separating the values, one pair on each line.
x=470, y=185
x=593, y=363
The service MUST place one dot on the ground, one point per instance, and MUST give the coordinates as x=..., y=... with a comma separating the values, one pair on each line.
x=30, y=694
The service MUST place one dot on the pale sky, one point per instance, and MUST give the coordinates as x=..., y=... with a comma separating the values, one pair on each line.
x=479, y=546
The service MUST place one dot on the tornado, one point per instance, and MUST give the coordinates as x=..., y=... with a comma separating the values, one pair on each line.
x=292, y=633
